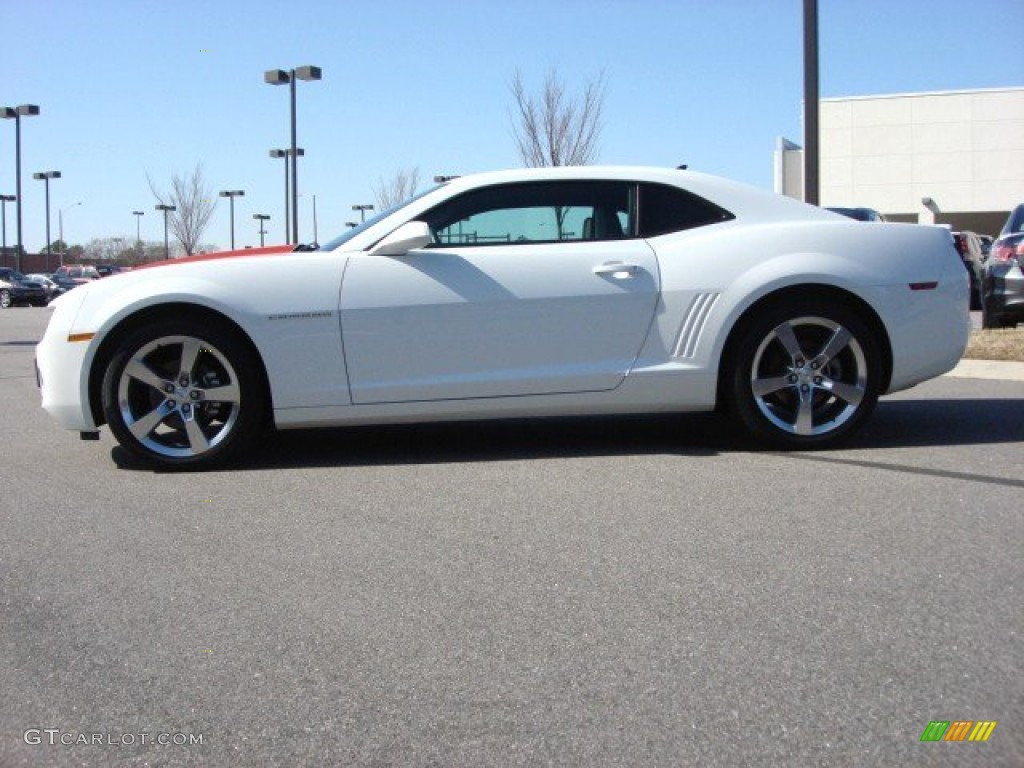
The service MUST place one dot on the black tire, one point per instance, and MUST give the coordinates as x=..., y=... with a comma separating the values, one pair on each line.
x=806, y=375
x=976, y=303
x=5, y=299
x=181, y=394
x=990, y=321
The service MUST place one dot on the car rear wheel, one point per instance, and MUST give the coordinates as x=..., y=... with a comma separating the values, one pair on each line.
x=181, y=394
x=5, y=298
x=805, y=376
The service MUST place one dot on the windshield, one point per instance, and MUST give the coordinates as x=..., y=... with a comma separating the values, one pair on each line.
x=1015, y=223
x=348, y=235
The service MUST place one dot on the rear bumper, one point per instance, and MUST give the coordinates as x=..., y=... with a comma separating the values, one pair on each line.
x=1004, y=292
x=928, y=334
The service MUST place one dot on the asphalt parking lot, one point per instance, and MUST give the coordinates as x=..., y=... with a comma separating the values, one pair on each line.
x=634, y=592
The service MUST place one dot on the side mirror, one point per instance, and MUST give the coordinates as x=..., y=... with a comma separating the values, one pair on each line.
x=408, y=237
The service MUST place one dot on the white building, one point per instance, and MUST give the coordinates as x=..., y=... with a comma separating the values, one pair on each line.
x=953, y=157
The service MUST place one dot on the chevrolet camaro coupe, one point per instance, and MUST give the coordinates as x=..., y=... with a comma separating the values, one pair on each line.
x=542, y=292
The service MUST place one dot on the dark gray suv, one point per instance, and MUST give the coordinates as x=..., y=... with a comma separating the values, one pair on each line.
x=1002, y=285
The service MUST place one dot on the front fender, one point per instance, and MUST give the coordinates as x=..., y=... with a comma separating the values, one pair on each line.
x=292, y=320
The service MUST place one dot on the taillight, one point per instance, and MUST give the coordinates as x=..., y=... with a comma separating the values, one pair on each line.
x=1004, y=252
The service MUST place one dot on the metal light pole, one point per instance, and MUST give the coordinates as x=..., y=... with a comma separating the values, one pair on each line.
x=286, y=153
x=287, y=197
x=166, y=209
x=282, y=77
x=231, y=195
x=316, y=240
x=261, y=217
x=22, y=110
x=45, y=177
x=812, y=180
x=60, y=230
x=138, y=237
x=363, y=208
x=4, y=200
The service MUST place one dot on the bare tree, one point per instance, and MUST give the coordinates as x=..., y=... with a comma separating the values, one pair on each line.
x=555, y=128
x=106, y=249
x=194, y=205
x=400, y=188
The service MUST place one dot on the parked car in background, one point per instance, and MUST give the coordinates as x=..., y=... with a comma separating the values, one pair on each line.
x=80, y=273
x=106, y=270
x=859, y=214
x=1002, y=283
x=526, y=293
x=64, y=282
x=53, y=289
x=986, y=244
x=18, y=289
x=968, y=245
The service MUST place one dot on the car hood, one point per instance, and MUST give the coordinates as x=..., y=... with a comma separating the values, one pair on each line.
x=270, y=250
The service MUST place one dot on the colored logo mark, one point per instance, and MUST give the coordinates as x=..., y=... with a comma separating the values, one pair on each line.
x=958, y=730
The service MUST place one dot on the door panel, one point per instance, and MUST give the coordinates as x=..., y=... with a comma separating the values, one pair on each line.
x=472, y=321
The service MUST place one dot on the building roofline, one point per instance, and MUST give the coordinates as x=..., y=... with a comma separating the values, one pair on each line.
x=959, y=92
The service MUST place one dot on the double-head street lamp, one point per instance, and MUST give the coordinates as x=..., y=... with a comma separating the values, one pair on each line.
x=45, y=176
x=231, y=194
x=362, y=208
x=286, y=153
x=261, y=217
x=16, y=113
x=166, y=209
x=282, y=77
x=4, y=200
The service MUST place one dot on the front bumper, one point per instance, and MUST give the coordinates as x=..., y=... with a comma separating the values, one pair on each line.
x=62, y=370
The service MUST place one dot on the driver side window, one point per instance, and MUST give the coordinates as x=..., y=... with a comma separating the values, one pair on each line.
x=538, y=212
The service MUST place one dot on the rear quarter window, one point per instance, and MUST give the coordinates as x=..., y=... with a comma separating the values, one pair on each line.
x=664, y=209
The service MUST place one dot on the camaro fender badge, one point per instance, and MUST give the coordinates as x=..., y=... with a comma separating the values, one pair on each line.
x=300, y=315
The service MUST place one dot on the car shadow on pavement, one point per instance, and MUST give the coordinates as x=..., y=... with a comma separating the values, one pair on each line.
x=507, y=440
x=895, y=424
x=477, y=441
x=936, y=422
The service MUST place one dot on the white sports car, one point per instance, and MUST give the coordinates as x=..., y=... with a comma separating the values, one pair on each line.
x=538, y=292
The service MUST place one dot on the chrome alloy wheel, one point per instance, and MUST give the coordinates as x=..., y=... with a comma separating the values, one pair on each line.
x=809, y=376
x=179, y=396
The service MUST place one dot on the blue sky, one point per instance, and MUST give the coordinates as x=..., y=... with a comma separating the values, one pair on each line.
x=130, y=89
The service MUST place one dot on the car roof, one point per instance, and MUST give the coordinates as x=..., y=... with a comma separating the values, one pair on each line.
x=751, y=203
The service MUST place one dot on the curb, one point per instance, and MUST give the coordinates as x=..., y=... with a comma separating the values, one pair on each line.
x=1000, y=370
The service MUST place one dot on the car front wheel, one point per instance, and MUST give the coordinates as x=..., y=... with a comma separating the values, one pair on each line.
x=180, y=394
x=805, y=376
x=5, y=298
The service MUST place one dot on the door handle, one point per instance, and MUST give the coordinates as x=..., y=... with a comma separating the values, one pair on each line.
x=619, y=270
